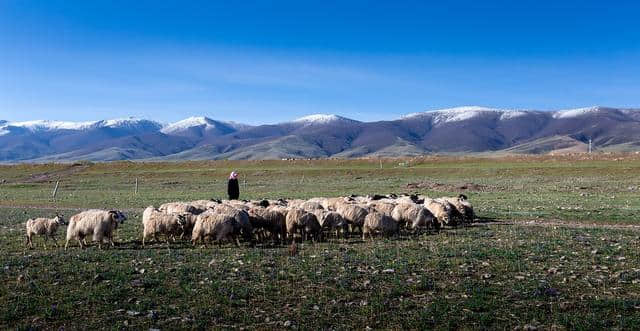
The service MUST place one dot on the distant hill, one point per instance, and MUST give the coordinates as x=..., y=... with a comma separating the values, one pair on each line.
x=456, y=130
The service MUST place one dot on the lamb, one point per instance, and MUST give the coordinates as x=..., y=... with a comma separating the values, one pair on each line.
x=271, y=220
x=439, y=210
x=46, y=227
x=215, y=225
x=463, y=206
x=378, y=222
x=98, y=223
x=156, y=222
x=353, y=214
x=414, y=216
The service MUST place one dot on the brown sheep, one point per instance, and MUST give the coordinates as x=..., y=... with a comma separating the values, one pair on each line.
x=271, y=220
x=439, y=210
x=45, y=227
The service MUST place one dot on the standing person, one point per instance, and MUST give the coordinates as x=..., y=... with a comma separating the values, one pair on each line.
x=232, y=186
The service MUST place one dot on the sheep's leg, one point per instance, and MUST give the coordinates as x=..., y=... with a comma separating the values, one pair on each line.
x=29, y=242
x=55, y=241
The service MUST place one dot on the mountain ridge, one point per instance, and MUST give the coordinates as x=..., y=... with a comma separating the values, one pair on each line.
x=467, y=129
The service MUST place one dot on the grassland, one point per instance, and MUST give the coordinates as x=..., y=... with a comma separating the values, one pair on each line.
x=557, y=249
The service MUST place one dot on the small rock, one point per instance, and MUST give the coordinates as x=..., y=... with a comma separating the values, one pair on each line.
x=141, y=271
x=97, y=278
x=529, y=327
x=487, y=276
x=388, y=271
x=133, y=313
x=153, y=314
x=316, y=307
x=20, y=278
x=287, y=324
x=137, y=283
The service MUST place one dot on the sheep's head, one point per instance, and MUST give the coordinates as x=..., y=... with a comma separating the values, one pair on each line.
x=60, y=219
x=118, y=216
x=182, y=220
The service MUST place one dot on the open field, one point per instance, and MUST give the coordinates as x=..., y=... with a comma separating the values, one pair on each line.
x=557, y=248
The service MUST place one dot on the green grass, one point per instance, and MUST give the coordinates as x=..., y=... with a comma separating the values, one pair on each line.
x=496, y=275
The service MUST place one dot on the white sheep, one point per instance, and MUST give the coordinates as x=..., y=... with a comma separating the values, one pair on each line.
x=464, y=207
x=414, y=216
x=439, y=210
x=45, y=227
x=155, y=222
x=100, y=224
x=376, y=222
x=211, y=224
x=354, y=214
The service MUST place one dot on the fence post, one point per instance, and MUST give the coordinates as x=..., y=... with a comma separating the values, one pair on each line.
x=136, y=189
x=55, y=190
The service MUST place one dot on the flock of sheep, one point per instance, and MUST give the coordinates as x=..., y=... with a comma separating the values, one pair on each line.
x=277, y=220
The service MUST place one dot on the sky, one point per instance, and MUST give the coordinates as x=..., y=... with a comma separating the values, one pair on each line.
x=272, y=61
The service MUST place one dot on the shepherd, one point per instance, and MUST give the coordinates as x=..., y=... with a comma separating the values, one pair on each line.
x=232, y=186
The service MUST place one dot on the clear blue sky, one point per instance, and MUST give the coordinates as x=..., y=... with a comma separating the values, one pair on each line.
x=268, y=61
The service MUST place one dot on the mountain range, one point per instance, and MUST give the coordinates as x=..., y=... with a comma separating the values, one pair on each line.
x=455, y=130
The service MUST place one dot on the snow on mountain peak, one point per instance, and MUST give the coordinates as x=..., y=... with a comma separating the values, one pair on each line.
x=321, y=119
x=185, y=124
x=570, y=113
x=456, y=114
x=48, y=125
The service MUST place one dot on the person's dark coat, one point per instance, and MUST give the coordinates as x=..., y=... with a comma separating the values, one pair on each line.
x=233, y=189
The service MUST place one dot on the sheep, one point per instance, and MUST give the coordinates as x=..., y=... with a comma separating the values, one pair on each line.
x=204, y=204
x=271, y=220
x=382, y=207
x=98, y=223
x=463, y=206
x=296, y=203
x=215, y=225
x=310, y=206
x=240, y=215
x=439, y=210
x=46, y=227
x=414, y=216
x=455, y=217
x=378, y=222
x=353, y=214
x=332, y=203
x=331, y=220
x=180, y=208
x=156, y=222
x=310, y=226
x=292, y=220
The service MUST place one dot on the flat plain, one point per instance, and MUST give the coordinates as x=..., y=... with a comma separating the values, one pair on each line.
x=555, y=247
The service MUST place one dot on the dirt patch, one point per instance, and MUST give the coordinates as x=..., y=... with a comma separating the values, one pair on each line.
x=55, y=175
x=439, y=187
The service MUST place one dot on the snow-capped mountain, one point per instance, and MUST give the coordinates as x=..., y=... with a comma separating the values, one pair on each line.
x=322, y=119
x=459, y=130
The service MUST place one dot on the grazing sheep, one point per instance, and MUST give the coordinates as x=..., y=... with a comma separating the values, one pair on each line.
x=382, y=207
x=310, y=206
x=331, y=220
x=455, y=217
x=156, y=222
x=353, y=214
x=270, y=220
x=240, y=215
x=376, y=222
x=211, y=224
x=439, y=210
x=296, y=203
x=463, y=206
x=332, y=203
x=310, y=227
x=98, y=223
x=292, y=220
x=180, y=208
x=205, y=204
x=46, y=227
x=414, y=216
